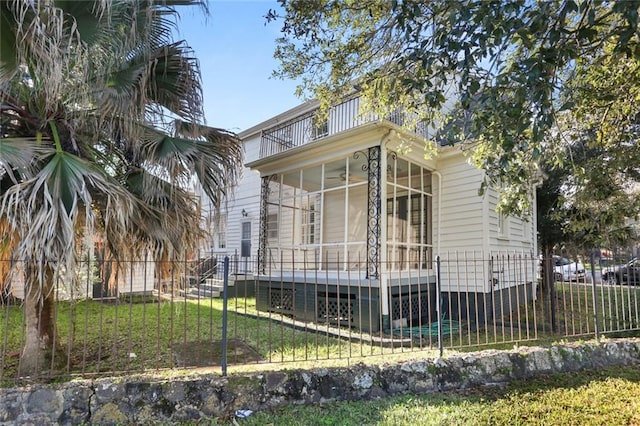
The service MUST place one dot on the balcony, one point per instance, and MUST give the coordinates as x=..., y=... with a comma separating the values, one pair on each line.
x=310, y=127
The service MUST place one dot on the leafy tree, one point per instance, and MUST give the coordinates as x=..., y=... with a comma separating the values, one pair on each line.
x=100, y=134
x=535, y=79
x=578, y=217
x=601, y=131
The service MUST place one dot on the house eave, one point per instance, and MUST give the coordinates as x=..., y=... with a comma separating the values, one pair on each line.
x=455, y=149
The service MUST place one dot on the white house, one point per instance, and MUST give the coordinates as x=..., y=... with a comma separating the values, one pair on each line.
x=337, y=214
x=95, y=277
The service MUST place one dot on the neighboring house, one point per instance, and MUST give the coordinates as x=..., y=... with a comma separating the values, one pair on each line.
x=330, y=214
x=96, y=278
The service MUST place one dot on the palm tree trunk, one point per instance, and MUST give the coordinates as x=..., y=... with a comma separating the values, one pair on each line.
x=40, y=349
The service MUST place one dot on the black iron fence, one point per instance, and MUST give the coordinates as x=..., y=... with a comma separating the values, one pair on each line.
x=216, y=310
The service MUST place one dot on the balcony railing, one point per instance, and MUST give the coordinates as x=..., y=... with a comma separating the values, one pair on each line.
x=310, y=127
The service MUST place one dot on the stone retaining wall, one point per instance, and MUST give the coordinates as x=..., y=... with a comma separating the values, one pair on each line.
x=140, y=400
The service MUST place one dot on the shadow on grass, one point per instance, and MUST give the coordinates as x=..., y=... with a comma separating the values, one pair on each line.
x=205, y=354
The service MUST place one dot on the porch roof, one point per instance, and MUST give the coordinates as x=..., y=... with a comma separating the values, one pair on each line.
x=338, y=144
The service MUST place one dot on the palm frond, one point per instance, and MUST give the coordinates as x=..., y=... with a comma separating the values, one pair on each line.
x=163, y=80
x=44, y=210
x=43, y=46
x=109, y=77
x=174, y=81
x=213, y=156
x=85, y=18
x=170, y=221
x=20, y=154
x=88, y=94
x=219, y=161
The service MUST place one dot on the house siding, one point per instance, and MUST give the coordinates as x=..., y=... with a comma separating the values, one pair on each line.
x=518, y=234
x=461, y=232
x=246, y=196
x=136, y=277
x=462, y=223
x=470, y=234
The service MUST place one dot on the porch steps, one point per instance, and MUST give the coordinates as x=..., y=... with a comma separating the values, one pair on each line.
x=210, y=288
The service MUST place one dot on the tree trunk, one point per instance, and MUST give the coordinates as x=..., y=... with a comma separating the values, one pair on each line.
x=41, y=351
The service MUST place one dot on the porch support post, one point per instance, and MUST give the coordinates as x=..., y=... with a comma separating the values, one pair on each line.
x=262, y=237
x=374, y=213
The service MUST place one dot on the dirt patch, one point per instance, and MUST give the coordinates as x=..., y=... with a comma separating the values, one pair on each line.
x=204, y=354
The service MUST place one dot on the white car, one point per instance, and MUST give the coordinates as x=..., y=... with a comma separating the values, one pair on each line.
x=567, y=270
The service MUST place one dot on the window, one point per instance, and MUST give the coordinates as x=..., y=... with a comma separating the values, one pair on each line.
x=272, y=226
x=503, y=226
x=309, y=225
x=245, y=241
x=319, y=216
x=409, y=215
x=221, y=232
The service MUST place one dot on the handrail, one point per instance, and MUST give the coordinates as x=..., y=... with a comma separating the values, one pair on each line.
x=310, y=127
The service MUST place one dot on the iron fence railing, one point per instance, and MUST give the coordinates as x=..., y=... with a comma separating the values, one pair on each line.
x=155, y=316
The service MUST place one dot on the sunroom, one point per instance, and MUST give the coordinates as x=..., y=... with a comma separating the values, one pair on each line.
x=346, y=222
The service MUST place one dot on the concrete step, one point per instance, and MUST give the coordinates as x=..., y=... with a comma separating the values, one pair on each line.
x=196, y=293
x=210, y=287
x=217, y=282
x=208, y=294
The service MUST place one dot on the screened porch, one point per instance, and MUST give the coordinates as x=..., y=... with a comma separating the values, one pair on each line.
x=345, y=216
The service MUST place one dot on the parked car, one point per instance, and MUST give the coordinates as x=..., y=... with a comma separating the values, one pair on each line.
x=627, y=273
x=567, y=270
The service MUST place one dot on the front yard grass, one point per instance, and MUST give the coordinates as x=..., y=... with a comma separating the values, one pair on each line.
x=605, y=397
x=134, y=335
x=101, y=337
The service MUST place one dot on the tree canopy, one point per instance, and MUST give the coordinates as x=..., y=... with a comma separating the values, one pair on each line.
x=537, y=82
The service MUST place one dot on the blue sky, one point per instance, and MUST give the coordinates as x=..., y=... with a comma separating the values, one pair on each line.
x=235, y=50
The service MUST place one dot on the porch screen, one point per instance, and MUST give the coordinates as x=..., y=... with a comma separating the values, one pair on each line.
x=321, y=216
x=409, y=215
x=317, y=216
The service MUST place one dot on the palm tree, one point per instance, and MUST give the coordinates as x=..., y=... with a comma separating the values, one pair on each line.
x=101, y=132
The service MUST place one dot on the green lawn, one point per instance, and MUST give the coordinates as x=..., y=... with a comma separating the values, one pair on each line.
x=142, y=334
x=102, y=337
x=606, y=397
x=99, y=337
